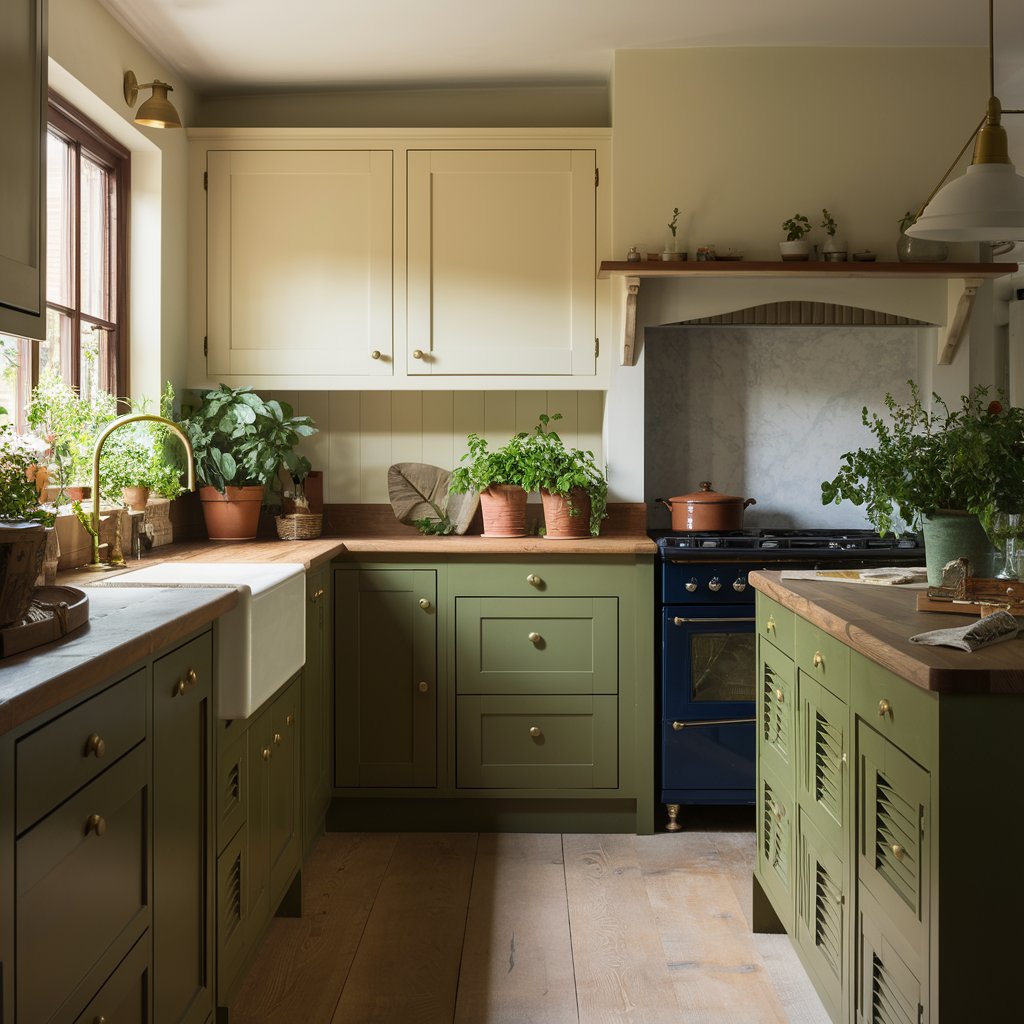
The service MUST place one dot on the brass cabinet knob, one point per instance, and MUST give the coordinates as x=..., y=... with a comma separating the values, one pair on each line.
x=95, y=745
x=317, y=594
x=691, y=586
x=534, y=638
x=277, y=739
x=884, y=708
x=289, y=719
x=534, y=580
x=179, y=688
x=96, y=823
x=192, y=677
x=779, y=696
x=424, y=603
x=770, y=625
x=375, y=354
x=190, y=680
x=99, y=1020
x=843, y=758
x=898, y=852
x=417, y=353
x=714, y=585
x=817, y=661
x=534, y=731
x=424, y=686
x=266, y=753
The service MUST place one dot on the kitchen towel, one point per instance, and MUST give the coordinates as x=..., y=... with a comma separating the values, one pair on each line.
x=992, y=629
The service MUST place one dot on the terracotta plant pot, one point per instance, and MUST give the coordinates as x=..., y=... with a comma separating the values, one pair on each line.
x=504, y=510
x=232, y=516
x=135, y=498
x=78, y=493
x=559, y=522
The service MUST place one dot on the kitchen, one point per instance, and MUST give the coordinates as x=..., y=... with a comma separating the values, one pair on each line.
x=661, y=124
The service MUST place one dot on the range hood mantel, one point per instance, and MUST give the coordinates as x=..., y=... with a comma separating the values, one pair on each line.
x=940, y=294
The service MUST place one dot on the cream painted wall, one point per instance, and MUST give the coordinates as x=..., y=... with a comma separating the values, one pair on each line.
x=364, y=432
x=89, y=53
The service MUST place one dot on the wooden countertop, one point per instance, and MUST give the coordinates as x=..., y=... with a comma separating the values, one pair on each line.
x=879, y=621
x=124, y=627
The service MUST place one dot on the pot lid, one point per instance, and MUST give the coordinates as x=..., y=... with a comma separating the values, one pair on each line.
x=706, y=496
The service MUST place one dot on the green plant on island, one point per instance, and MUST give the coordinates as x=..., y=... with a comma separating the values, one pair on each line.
x=796, y=227
x=239, y=439
x=828, y=223
x=927, y=460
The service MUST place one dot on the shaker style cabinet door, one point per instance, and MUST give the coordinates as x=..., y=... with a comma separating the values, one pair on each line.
x=299, y=275
x=501, y=260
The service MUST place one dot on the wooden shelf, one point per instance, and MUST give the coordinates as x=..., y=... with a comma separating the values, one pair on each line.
x=970, y=274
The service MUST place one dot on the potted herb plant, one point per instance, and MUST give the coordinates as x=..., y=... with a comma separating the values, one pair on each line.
x=796, y=246
x=834, y=249
x=573, y=489
x=497, y=476
x=951, y=471
x=238, y=442
x=672, y=246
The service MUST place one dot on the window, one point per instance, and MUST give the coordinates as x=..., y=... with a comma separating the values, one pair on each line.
x=86, y=259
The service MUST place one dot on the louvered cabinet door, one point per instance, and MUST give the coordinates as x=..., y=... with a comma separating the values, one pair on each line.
x=891, y=986
x=821, y=927
x=894, y=814
x=776, y=699
x=823, y=761
x=776, y=810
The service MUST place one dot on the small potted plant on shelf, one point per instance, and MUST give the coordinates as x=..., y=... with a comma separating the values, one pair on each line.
x=918, y=250
x=238, y=442
x=796, y=246
x=497, y=476
x=834, y=249
x=950, y=471
x=671, y=251
x=573, y=489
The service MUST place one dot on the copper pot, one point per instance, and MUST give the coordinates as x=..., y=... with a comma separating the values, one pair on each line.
x=706, y=510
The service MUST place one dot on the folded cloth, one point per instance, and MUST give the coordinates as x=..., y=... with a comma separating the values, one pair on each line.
x=992, y=629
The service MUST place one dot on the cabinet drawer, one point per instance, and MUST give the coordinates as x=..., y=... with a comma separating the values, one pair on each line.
x=124, y=998
x=545, y=645
x=537, y=742
x=542, y=577
x=181, y=670
x=82, y=883
x=66, y=753
x=898, y=710
x=822, y=657
x=775, y=623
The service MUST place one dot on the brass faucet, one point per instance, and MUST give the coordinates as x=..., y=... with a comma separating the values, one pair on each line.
x=134, y=417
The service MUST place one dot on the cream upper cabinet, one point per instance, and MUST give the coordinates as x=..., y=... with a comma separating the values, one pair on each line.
x=501, y=258
x=299, y=273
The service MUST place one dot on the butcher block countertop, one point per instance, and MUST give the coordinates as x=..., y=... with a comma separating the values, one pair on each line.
x=878, y=621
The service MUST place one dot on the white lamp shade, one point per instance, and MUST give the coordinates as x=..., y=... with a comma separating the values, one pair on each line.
x=985, y=205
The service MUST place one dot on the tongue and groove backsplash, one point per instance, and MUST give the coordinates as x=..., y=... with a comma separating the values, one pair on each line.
x=364, y=432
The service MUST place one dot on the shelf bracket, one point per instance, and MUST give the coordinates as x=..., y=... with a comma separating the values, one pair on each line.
x=951, y=336
x=630, y=291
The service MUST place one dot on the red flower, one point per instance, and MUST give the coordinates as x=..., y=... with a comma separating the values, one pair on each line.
x=995, y=408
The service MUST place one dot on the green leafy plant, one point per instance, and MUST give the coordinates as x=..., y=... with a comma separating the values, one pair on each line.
x=906, y=220
x=928, y=459
x=828, y=223
x=551, y=466
x=796, y=227
x=673, y=224
x=505, y=465
x=240, y=440
x=19, y=497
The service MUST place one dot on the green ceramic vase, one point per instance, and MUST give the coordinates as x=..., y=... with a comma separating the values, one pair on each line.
x=949, y=535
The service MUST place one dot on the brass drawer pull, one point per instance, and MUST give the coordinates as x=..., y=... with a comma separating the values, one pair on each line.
x=817, y=661
x=99, y=1020
x=424, y=604
x=534, y=731
x=278, y=738
x=190, y=680
x=289, y=719
x=884, y=709
x=779, y=696
x=534, y=638
x=534, y=580
x=317, y=594
x=417, y=353
x=424, y=686
x=898, y=852
x=95, y=745
x=769, y=626
x=266, y=753
x=95, y=823
x=375, y=354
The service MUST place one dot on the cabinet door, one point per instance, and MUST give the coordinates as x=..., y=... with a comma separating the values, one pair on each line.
x=502, y=254
x=386, y=681
x=299, y=278
x=317, y=709
x=256, y=890
x=776, y=700
x=776, y=817
x=23, y=169
x=183, y=835
x=283, y=795
x=823, y=761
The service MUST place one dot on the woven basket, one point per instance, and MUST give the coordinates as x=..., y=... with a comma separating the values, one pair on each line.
x=299, y=526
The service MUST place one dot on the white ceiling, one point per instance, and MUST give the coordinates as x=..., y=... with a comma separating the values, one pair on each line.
x=280, y=45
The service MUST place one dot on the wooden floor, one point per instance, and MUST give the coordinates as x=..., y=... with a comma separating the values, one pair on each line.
x=461, y=928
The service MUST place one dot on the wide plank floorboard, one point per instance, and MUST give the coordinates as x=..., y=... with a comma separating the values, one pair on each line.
x=517, y=958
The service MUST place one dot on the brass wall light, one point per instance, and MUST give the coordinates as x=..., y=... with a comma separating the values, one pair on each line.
x=157, y=111
x=986, y=204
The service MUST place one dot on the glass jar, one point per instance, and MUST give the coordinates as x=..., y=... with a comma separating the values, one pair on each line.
x=920, y=250
x=1007, y=534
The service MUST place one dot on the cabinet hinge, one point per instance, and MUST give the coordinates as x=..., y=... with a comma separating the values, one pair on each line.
x=206, y=179
x=597, y=347
x=206, y=346
x=597, y=177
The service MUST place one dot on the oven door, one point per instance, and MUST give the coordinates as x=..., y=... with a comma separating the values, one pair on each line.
x=708, y=662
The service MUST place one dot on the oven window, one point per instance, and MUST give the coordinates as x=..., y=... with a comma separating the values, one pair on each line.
x=722, y=666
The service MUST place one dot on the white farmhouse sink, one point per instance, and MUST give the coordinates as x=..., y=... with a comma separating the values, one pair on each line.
x=261, y=641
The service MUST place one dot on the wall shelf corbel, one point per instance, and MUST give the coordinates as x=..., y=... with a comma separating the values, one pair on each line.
x=964, y=277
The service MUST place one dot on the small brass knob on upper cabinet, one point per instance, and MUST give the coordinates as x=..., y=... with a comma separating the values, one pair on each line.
x=779, y=696
x=95, y=745
x=417, y=353
x=898, y=852
x=534, y=638
x=375, y=354
x=96, y=823
x=534, y=580
x=770, y=625
x=534, y=731
x=424, y=686
x=817, y=661
x=884, y=708
x=424, y=603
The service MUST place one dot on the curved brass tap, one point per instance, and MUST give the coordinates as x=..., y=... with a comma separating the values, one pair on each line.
x=133, y=417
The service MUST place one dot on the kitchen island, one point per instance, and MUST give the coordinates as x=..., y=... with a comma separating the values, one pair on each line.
x=889, y=803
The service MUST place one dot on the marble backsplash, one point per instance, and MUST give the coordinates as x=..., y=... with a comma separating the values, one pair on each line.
x=766, y=412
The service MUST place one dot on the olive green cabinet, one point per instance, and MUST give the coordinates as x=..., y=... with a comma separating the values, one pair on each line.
x=317, y=708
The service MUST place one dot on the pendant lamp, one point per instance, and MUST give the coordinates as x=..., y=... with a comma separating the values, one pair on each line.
x=986, y=204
